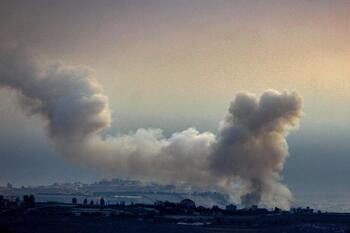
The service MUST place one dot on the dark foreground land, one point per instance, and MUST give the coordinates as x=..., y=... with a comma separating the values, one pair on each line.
x=28, y=216
x=97, y=224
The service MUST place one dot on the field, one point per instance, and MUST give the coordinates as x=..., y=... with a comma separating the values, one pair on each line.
x=94, y=224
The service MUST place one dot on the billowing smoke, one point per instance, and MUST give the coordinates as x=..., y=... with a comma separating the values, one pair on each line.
x=252, y=145
x=249, y=151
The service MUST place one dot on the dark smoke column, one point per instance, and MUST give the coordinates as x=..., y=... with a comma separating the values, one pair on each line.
x=251, y=147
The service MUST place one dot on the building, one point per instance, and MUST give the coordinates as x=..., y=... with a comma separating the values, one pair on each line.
x=231, y=207
x=188, y=203
x=253, y=208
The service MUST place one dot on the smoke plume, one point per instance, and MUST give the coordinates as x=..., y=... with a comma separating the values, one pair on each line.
x=252, y=145
x=249, y=151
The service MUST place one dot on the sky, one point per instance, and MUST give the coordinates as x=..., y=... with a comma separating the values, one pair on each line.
x=178, y=64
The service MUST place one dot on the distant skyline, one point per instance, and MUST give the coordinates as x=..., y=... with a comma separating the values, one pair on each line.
x=176, y=64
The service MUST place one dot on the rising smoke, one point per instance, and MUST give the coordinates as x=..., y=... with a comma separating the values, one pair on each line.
x=252, y=145
x=250, y=149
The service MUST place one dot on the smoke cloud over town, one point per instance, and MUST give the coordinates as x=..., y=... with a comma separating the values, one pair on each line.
x=249, y=151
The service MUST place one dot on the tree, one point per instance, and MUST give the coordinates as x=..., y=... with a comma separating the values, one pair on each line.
x=74, y=201
x=91, y=202
x=102, y=201
x=85, y=201
x=31, y=199
x=26, y=199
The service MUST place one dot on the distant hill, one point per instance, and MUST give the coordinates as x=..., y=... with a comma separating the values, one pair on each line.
x=119, y=190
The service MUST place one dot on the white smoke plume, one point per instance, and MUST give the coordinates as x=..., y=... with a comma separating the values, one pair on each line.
x=250, y=149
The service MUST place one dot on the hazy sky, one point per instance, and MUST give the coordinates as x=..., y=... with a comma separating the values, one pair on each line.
x=175, y=64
